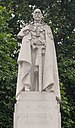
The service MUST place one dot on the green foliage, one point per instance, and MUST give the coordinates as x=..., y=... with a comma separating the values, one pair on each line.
x=7, y=69
x=60, y=15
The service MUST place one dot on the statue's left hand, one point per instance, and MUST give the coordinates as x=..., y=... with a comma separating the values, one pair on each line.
x=58, y=100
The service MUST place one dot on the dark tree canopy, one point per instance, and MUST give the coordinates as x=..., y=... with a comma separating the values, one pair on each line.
x=60, y=16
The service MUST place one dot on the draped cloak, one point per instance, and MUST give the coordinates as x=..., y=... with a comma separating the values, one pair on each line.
x=50, y=74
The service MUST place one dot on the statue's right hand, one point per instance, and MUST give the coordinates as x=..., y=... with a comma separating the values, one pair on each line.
x=26, y=32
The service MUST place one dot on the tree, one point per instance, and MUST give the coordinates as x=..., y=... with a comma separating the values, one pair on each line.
x=8, y=66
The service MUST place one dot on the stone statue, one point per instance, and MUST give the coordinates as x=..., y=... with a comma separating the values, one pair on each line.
x=37, y=58
x=38, y=92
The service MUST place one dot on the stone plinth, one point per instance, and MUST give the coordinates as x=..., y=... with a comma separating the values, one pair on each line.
x=37, y=110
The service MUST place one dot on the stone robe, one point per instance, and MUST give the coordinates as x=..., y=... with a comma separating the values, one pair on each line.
x=50, y=70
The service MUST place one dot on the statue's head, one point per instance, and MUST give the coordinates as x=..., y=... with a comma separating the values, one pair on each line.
x=37, y=15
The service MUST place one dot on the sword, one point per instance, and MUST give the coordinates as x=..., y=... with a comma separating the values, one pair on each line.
x=40, y=47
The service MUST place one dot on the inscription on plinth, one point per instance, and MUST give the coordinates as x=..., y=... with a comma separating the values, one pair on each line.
x=37, y=111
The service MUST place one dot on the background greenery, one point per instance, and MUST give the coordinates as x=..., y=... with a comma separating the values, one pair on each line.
x=60, y=15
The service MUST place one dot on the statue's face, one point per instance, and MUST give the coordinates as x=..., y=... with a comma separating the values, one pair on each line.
x=37, y=15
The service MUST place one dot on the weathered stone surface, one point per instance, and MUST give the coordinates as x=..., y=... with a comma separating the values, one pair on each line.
x=37, y=91
x=36, y=110
x=37, y=63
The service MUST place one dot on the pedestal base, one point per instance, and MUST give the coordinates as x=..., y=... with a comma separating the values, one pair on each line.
x=37, y=110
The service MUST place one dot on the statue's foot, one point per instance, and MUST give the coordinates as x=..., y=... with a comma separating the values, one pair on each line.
x=27, y=88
